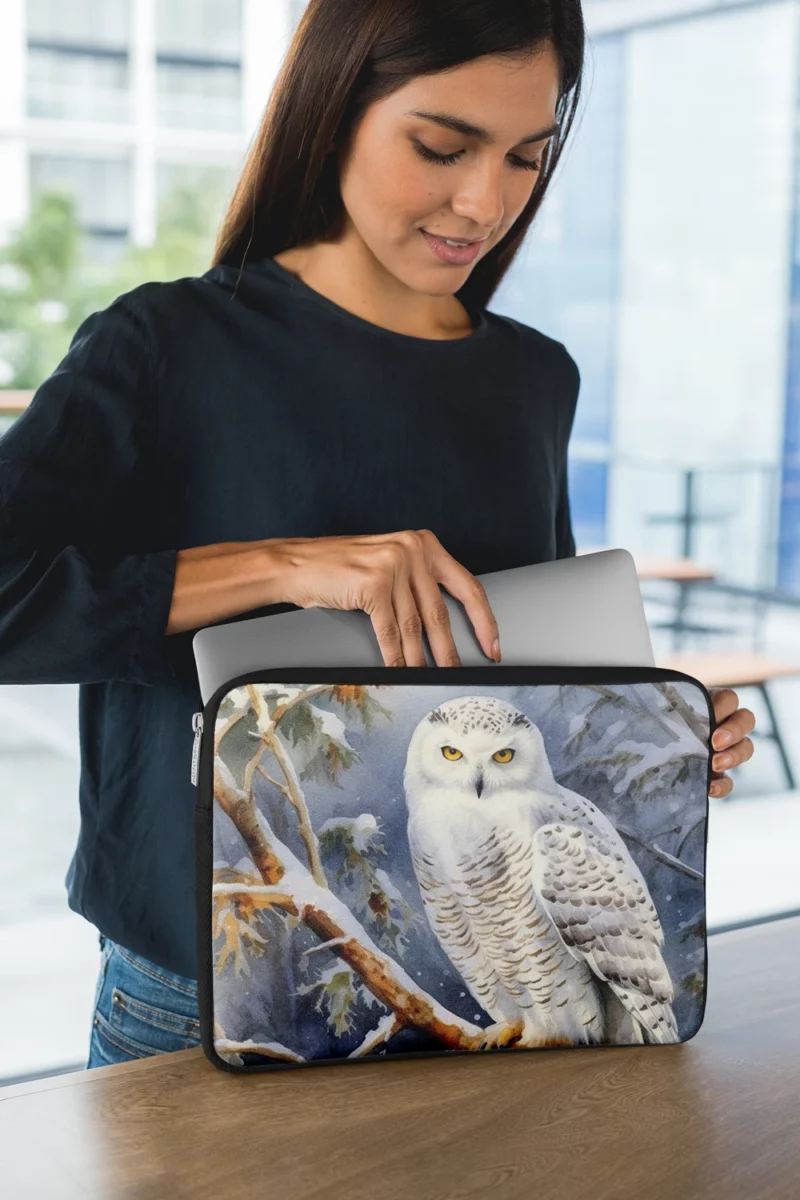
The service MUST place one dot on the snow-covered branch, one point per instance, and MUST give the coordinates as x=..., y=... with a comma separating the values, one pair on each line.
x=266, y=1049
x=387, y=1028
x=331, y=920
x=293, y=792
x=699, y=725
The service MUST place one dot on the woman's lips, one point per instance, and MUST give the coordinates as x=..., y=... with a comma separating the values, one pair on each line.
x=457, y=256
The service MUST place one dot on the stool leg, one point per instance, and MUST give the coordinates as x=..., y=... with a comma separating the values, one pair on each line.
x=776, y=734
x=680, y=612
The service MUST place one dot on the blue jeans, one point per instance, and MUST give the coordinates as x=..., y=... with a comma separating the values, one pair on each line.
x=140, y=1009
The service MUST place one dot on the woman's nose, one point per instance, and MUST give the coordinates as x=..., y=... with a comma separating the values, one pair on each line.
x=481, y=198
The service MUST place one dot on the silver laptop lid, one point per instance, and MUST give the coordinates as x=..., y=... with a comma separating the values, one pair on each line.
x=581, y=611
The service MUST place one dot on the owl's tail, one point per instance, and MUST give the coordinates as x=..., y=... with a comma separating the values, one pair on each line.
x=621, y=1028
x=651, y=1021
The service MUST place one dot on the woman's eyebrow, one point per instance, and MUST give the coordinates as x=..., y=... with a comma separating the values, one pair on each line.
x=469, y=130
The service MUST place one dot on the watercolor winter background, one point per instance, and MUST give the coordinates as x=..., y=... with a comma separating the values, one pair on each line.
x=320, y=945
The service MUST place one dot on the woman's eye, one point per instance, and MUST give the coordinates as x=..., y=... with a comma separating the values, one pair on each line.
x=451, y=754
x=447, y=160
x=503, y=756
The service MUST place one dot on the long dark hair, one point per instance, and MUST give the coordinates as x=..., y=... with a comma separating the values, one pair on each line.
x=347, y=54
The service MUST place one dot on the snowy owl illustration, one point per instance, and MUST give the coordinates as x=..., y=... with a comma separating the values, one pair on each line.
x=529, y=888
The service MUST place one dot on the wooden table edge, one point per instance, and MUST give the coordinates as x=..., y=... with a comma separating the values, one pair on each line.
x=156, y=1061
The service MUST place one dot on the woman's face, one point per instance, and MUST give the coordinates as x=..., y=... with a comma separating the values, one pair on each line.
x=393, y=190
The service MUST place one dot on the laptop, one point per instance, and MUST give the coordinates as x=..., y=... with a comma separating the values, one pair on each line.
x=579, y=611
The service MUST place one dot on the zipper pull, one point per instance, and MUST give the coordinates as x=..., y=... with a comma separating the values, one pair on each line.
x=197, y=726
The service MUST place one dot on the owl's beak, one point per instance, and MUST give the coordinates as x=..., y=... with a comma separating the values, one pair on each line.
x=479, y=783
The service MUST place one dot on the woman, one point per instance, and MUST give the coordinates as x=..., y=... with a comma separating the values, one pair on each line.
x=219, y=445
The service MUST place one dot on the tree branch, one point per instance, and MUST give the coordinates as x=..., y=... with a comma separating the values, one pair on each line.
x=695, y=722
x=262, y=897
x=226, y=728
x=387, y=1028
x=331, y=920
x=293, y=791
x=663, y=855
x=266, y=1049
x=242, y=811
x=224, y=1045
x=308, y=694
x=688, y=834
x=275, y=782
x=623, y=702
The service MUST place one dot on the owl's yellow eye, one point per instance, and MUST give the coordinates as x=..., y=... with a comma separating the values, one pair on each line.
x=503, y=756
x=451, y=754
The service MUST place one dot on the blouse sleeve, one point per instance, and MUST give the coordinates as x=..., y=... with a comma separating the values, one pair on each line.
x=565, y=540
x=81, y=598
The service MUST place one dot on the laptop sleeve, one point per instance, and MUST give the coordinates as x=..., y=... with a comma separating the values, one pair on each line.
x=418, y=861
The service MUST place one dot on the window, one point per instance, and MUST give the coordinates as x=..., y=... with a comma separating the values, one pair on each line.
x=673, y=281
x=101, y=187
x=198, y=65
x=99, y=22
x=78, y=66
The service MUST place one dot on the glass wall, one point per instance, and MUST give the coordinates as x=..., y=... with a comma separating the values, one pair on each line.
x=667, y=259
x=564, y=282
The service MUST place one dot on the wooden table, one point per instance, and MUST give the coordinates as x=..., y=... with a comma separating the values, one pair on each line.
x=677, y=570
x=651, y=566
x=685, y=573
x=713, y=1119
x=12, y=403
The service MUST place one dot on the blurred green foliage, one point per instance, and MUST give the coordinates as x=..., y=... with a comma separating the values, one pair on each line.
x=50, y=279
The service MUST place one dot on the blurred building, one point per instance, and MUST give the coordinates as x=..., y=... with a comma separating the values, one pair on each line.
x=664, y=256
x=122, y=99
x=667, y=258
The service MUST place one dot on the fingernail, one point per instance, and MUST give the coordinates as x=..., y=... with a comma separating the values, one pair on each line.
x=723, y=739
x=496, y=650
x=722, y=761
x=714, y=789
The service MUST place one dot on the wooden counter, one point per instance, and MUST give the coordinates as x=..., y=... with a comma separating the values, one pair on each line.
x=713, y=1119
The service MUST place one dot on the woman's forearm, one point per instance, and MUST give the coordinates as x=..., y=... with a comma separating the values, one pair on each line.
x=222, y=580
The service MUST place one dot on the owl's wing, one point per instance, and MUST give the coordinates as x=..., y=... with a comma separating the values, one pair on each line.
x=605, y=915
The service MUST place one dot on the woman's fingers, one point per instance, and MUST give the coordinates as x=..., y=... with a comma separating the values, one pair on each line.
x=726, y=701
x=408, y=617
x=733, y=729
x=738, y=753
x=393, y=578
x=380, y=610
x=432, y=605
x=464, y=586
x=729, y=740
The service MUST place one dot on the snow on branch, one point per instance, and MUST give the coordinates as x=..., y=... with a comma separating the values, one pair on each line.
x=698, y=724
x=387, y=1027
x=331, y=920
x=270, y=740
x=266, y=1049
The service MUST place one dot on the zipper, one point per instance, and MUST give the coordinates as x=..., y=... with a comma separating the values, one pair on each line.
x=197, y=726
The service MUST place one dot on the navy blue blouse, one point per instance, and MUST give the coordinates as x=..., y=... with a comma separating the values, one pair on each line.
x=238, y=406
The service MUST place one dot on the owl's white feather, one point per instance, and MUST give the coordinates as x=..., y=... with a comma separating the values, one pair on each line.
x=528, y=887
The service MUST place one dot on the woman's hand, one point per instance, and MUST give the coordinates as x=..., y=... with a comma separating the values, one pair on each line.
x=730, y=738
x=394, y=578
